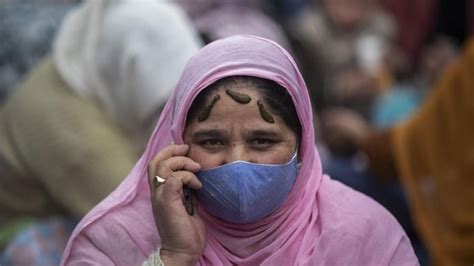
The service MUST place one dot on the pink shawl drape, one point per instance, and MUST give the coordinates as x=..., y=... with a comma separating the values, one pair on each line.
x=321, y=223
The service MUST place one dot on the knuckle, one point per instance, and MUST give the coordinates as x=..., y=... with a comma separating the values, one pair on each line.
x=150, y=168
x=160, y=167
x=174, y=177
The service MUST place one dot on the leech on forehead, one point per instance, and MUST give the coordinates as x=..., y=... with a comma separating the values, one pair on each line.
x=263, y=112
x=238, y=97
x=204, y=114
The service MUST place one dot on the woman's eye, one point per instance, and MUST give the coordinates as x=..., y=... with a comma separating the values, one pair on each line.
x=261, y=142
x=211, y=143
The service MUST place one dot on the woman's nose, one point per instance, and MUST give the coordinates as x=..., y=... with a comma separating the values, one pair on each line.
x=237, y=152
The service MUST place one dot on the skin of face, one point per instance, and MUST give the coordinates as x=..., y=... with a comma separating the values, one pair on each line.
x=235, y=131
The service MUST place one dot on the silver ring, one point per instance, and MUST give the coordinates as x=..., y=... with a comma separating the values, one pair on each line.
x=158, y=181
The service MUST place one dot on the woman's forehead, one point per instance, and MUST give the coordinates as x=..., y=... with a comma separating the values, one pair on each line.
x=228, y=102
x=236, y=91
x=270, y=102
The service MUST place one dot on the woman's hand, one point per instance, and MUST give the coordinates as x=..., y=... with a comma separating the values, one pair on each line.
x=183, y=236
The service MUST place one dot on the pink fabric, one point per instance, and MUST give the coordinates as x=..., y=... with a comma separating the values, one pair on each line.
x=321, y=223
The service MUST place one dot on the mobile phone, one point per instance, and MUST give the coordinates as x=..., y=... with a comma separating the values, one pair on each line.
x=188, y=200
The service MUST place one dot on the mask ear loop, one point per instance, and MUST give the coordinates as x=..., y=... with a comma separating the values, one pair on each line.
x=299, y=164
x=298, y=167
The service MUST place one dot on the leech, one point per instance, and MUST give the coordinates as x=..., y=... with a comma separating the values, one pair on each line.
x=238, y=97
x=204, y=114
x=263, y=112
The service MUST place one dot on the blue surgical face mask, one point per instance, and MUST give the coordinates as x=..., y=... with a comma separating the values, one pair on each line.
x=243, y=192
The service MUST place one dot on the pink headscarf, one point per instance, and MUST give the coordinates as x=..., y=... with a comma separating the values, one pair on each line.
x=321, y=222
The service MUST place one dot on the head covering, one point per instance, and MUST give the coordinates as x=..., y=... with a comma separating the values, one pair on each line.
x=121, y=229
x=126, y=55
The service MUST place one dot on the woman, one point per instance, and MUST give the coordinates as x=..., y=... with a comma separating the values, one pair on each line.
x=74, y=129
x=307, y=219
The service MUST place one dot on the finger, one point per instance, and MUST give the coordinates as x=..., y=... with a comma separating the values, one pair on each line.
x=174, y=183
x=156, y=181
x=166, y=168
x=168, y=152
x=177, y=163
x=170, y=191
x=188, y=178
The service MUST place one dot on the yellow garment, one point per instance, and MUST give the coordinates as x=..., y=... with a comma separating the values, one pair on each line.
x=435, y=156
x=59, y=153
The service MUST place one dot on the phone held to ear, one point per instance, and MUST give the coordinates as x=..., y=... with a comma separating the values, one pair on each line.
x=188, y=200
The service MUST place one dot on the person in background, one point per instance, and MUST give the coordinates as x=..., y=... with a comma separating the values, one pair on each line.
x=217, y=19
x=431, y=155
x=74, y=129
x=395, y=105
x=26, y=30
x=237, y=131
x=404, y=98
x=281, y=10
x=419, y=20
x=341, y=47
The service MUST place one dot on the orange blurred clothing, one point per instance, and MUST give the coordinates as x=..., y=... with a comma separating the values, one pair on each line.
x=433, y=153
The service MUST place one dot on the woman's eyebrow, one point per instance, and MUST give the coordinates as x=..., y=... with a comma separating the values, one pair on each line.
x=209, y=133
x=263, y=133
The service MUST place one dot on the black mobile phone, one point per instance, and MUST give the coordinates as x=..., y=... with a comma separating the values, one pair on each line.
x=188, y=200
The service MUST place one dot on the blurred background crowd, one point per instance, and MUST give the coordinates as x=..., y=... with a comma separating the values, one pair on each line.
x=78, y=98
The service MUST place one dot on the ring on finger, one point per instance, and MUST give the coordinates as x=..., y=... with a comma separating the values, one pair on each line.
x=158, y=181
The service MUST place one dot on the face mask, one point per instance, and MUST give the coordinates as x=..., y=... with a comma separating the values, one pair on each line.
x=243, y=192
